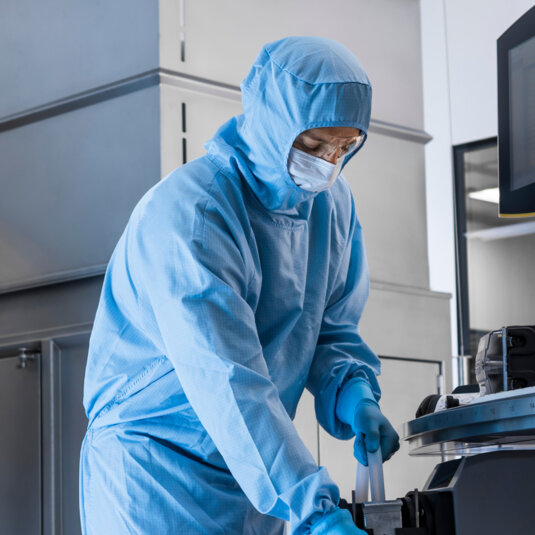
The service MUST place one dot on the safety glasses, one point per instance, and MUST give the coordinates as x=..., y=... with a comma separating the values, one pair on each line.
x=327, y=150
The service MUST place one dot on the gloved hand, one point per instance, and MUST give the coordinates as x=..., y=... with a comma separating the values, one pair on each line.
x=336, y=522
x=357, y=407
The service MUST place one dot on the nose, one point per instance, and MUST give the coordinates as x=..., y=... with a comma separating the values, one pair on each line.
x=333, y=155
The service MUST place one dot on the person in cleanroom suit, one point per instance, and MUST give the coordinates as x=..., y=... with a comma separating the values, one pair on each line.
x=239, y=280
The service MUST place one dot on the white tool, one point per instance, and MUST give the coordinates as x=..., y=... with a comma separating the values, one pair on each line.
x=371, y=475
x=377, y=482
x=362, y=483
x=383, y=517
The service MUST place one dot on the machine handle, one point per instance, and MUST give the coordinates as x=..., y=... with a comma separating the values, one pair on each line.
x=377, y=482
x=371, y=475
x=362, y=483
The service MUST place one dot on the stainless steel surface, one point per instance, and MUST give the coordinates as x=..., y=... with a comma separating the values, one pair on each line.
x=383, y=517
x=507, y=423
x=60, y=47
x=44, y=426
x=99, y=156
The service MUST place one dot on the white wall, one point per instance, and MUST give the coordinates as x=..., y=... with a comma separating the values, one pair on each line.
x=460, y=103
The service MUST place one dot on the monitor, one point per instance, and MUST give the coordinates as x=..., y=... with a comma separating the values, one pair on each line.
x=516, y=118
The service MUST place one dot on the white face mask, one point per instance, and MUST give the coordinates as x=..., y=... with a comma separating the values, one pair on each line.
x=312, y=173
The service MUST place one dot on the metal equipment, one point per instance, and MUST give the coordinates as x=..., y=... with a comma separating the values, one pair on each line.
x=487, y=491
x=505, y=359
x=486, y=488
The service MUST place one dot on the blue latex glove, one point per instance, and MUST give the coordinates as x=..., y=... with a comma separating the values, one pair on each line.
x=357, y=407
x=336, y=522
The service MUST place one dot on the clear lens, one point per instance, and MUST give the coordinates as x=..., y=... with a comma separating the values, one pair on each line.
x=354, y=146
x=326, y=150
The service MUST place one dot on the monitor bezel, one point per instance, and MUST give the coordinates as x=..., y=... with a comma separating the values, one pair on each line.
x=519, y=202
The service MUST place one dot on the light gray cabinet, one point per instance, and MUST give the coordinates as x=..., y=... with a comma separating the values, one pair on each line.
x=71, y=357
x=405, y=384
x=43, y=423
x=387, y=176
x=69, y=184
x=189, y=118
x=221, y=40
x=57, y=48
x=41, y=412
x=20, y=445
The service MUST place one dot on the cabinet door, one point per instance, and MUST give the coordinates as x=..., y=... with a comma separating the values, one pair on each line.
x=20, y=447
x=404, y=384
x=387, y=178
x=222, y=38
x=72, y=357
x=188, y=120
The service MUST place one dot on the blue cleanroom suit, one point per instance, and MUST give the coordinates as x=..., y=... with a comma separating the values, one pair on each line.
x=229, y=292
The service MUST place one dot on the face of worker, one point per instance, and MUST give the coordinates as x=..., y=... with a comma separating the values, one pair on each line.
x=329, y=143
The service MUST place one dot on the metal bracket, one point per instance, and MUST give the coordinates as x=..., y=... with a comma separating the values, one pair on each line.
x=26, y=356
x=383, y=517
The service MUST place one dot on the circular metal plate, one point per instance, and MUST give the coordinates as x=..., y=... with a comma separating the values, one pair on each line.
x=507, y=423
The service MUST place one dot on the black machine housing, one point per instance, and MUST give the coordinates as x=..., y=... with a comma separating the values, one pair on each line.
x=488, y=493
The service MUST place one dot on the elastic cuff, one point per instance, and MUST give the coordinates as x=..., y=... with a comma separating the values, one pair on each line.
x=349, y=397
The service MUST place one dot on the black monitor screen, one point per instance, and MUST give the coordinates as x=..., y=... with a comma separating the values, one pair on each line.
x=522, y=114
x=516, y=117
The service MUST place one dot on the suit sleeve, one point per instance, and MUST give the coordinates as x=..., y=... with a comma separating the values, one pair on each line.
x=341, y=353
x=195, y=283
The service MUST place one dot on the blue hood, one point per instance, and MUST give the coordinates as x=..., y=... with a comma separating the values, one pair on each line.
x=295, y=84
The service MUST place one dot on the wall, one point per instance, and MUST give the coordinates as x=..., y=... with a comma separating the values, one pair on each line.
x=472, y=30
x=500, y=271
x=501, y=290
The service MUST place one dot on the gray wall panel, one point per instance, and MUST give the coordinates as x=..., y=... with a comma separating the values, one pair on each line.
x=47, y=310
x=73, y=357
x=54, y=48
x=70, y=182
x=222, y=40
x=204, y=115
x=388, y=181
x=405, y=323
x=501, y=289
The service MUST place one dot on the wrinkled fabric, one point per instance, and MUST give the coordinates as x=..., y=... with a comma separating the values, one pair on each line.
x=336, y=522
x=229, y=292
